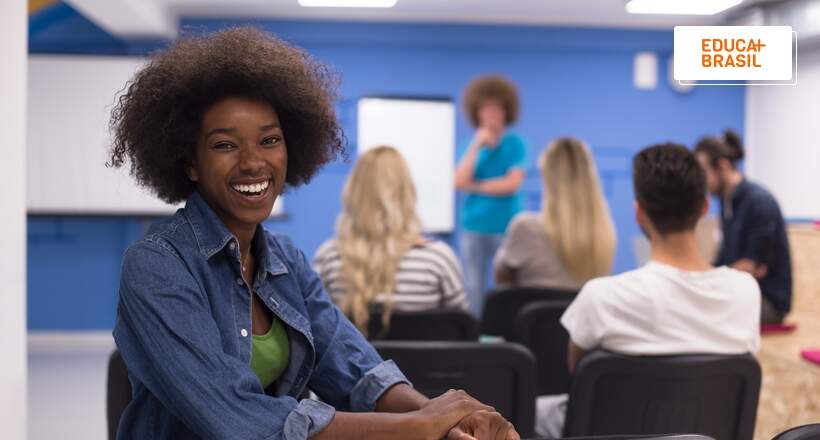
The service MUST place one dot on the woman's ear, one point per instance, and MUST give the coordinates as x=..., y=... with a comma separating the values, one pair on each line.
x=192, y=174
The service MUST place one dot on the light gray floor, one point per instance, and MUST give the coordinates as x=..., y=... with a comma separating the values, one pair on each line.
x=66, y=393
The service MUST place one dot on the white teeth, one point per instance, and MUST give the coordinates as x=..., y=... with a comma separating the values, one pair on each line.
x=252, y=189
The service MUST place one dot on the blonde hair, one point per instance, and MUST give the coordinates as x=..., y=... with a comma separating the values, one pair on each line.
x=574, y=211
x=378, y=224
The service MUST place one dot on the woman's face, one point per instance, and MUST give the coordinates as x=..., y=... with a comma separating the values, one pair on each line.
x=241, y=160
x=491, y=116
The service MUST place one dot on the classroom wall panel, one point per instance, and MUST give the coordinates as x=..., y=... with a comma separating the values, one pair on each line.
x=781, y=138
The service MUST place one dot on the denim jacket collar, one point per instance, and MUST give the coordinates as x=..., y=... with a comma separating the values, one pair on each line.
x=212, y=236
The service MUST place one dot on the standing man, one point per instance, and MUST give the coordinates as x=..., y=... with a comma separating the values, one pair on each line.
x=754, y=232
x=491, y=172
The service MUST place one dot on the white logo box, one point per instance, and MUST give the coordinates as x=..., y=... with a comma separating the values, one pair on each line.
x=758, y=53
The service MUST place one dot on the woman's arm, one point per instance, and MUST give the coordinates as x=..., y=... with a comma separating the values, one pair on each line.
x=512, y=254
x=450, y=278
x=503, y=275
x=466, y=167
x=401, y=398
x=506, y=185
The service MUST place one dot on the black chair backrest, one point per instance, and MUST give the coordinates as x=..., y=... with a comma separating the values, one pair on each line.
x=538, y=327
x=714, y=395
x=502, y=306
x=118, y=392
x=805, y=432
x=498, y=374
x=431, y=325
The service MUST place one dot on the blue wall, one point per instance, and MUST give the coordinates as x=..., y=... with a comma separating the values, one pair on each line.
x=572, y=81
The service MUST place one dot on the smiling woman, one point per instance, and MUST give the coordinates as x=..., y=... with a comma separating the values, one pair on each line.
x=221, y=324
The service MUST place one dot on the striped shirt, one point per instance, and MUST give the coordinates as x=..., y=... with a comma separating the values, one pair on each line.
x=428, y=277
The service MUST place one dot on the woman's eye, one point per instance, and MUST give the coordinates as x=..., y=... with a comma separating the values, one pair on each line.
x=223, y=146
x=273, y=140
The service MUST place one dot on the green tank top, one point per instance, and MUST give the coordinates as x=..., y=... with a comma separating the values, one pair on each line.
x=271, y=353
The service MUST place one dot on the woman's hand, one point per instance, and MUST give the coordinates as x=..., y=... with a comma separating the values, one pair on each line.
x=438, y=416
x=482, y=425
x=485, y=137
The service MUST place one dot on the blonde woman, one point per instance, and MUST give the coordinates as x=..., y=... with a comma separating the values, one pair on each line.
x=379, y=260
x=572, y=239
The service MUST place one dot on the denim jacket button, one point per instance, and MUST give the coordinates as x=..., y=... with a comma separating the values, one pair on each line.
x=240, y=281
x=244, y=333
x=232, y=245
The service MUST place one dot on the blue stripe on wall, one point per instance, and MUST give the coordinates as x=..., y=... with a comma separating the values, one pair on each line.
x=572, y=81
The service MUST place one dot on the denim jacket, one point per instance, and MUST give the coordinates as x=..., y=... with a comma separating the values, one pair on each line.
x=184, y=330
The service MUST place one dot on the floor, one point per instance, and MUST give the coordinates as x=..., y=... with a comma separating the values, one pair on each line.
x=790, y=395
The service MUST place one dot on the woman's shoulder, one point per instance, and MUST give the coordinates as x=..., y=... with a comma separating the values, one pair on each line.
x=328, y=249
x=436, y=246
x=284, y=248
x=514, y=138
x=529, y=221
x=171, y=237
x=437, y=252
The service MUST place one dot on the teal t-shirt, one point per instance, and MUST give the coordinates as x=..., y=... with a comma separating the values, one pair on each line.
x=490, y=214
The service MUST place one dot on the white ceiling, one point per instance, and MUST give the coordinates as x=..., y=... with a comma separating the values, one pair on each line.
x=160, y=17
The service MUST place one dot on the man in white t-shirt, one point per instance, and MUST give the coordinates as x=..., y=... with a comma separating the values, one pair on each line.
x=677, y=303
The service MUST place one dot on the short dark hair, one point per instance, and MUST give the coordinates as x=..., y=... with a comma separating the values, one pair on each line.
x=491, y=87
x=728, y=146
x=156, y=121
x=670, y=186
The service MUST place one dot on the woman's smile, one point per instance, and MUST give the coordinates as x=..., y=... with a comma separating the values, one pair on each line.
x=253, y=192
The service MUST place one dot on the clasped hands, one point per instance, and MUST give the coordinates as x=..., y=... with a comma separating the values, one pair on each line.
x=455, y=415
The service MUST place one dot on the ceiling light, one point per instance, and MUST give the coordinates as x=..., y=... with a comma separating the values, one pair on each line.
x=347, y=3
x=682, y=7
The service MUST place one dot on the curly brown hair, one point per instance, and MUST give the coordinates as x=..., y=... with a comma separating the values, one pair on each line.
x=157, y=120
x=491, y=87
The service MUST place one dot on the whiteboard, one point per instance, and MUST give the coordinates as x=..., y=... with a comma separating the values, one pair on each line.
x=69, y=105
x=781, y=139
x=424, y=132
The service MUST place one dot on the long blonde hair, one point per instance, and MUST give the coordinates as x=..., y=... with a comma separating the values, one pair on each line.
x=378, y=224
x=574, y=211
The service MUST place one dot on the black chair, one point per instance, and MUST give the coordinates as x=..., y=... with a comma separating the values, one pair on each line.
x=805, y=432
x=498, y=374
x=538, y=327
x=502, y=306
x=118, y=392
x=713, y=395
x=432, y=325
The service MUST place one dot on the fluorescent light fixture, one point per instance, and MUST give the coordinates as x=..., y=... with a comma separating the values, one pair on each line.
x=347, y=3
x=680, y=7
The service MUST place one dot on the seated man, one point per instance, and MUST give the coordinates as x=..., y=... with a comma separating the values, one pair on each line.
x=677, y=303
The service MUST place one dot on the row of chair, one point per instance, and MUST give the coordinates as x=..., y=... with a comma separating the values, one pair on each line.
x=528, y=316
x=611, y=394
